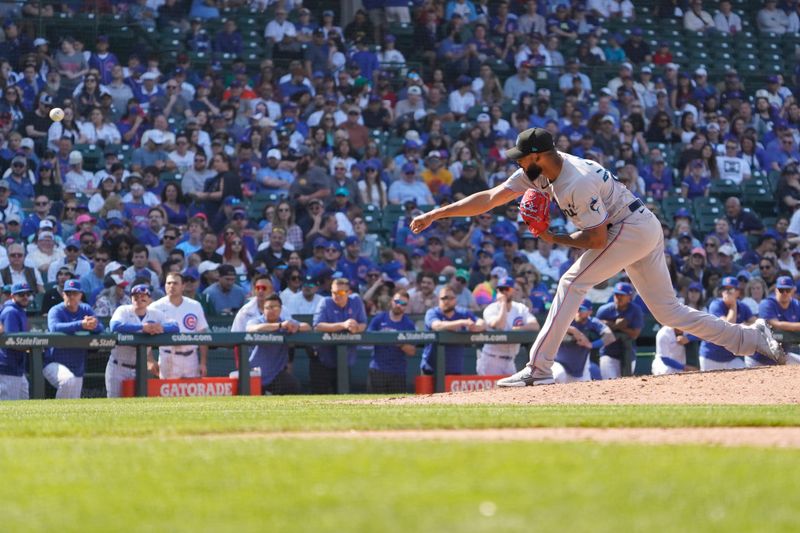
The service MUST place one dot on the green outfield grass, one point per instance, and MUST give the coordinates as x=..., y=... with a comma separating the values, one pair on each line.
x=190, y=465
x=187, y=416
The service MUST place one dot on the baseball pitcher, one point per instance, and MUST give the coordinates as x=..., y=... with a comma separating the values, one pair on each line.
x=616, y=231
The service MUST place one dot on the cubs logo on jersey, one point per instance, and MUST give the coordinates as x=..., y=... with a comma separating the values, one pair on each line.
x=190, y=321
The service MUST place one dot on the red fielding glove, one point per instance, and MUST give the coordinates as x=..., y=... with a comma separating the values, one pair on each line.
x=535, y=210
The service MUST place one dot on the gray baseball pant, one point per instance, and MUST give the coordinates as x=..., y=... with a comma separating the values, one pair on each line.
x=636, y=245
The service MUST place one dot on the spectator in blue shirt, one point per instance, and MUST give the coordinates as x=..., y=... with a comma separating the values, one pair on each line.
x=225, y=296
x=387, y=369
x=342, y=312
x=352, y=265
x=448, y=317
x=273, y=359
x=229, y=40
x=64, y=367
x=697, y=183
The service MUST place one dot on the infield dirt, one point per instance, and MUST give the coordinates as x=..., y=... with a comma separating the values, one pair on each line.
x=758, y=386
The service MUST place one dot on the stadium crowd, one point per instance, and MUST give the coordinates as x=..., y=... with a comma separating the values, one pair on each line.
x=302, y=171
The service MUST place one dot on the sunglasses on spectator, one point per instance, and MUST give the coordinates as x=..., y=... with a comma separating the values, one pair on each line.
x=400, y=302
x=340, y=293
x=170, y=237
x=261, y=288
x=445, y=298
x=785, y=291
x=43, y=203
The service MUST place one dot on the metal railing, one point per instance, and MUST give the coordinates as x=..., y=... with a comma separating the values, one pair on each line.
x=36, y=343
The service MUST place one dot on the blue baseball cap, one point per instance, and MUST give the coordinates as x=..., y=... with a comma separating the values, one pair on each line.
x=73, y=285
x=320, y=242
x=140, y=289
x=682, y=213
x=695, y=286
x=623, y=288
x=333, y=245
x=507, y=282
x=73, y=243
x=352, y=239
x=730, y=281
x=190, y=273
x=785, y=282
x=586, y=305
x=20, y=288
x=409, y=168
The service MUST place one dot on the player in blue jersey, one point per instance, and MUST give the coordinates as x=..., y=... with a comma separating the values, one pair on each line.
x=13, y=383
x=64, y=367
x=625, y=319
x=729, y=308
x=782, y=313
x=572, y=359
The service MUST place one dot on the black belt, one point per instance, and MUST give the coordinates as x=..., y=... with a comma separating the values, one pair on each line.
x=171, y=352
x=635, y=205
x=632, y=207
x=132, y=367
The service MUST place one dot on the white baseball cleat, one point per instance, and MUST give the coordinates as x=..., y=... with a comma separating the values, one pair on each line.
x=767, y=345
x=524, y=378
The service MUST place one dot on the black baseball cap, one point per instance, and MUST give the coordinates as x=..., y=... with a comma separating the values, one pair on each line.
x=531, y=141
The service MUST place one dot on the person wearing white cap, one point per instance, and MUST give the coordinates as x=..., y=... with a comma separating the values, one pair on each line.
x=43, y=252
x=151, y=154
x=81, y=179
x=411, y=103
x=272, y=178
x=149, y=89
x=112, y=296
x=7, y=208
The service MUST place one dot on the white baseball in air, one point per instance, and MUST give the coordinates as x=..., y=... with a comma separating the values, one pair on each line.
x=57, y=114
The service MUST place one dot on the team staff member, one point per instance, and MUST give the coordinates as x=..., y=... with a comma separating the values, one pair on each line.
x=13, y=383
x=447, y=317
x=273, y=359
x=625, y=320
x=504, y=314
x=616, y=231
x=572, y=359
x=64, y=367
x=670, y=352
x=782, y=313
x=181, y=361
x=254, y=308
x=134, y=318
x=341, y=312
x=730, y=309
x=387, y=368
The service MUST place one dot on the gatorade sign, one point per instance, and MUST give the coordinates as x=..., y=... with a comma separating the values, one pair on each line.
x=170, y=388
x=426, y=384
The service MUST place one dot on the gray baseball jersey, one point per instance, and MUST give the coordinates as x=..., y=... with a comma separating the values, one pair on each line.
x=586, y=192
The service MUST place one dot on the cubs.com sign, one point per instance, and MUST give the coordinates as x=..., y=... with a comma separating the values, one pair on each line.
x=171, y=388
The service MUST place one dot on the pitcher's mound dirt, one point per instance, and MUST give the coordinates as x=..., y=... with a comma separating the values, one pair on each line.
x=767, y=385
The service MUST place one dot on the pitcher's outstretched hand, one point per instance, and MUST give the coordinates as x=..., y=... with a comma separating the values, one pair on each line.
x=421, y=222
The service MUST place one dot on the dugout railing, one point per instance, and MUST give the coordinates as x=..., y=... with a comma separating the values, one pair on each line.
x=37, y=343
